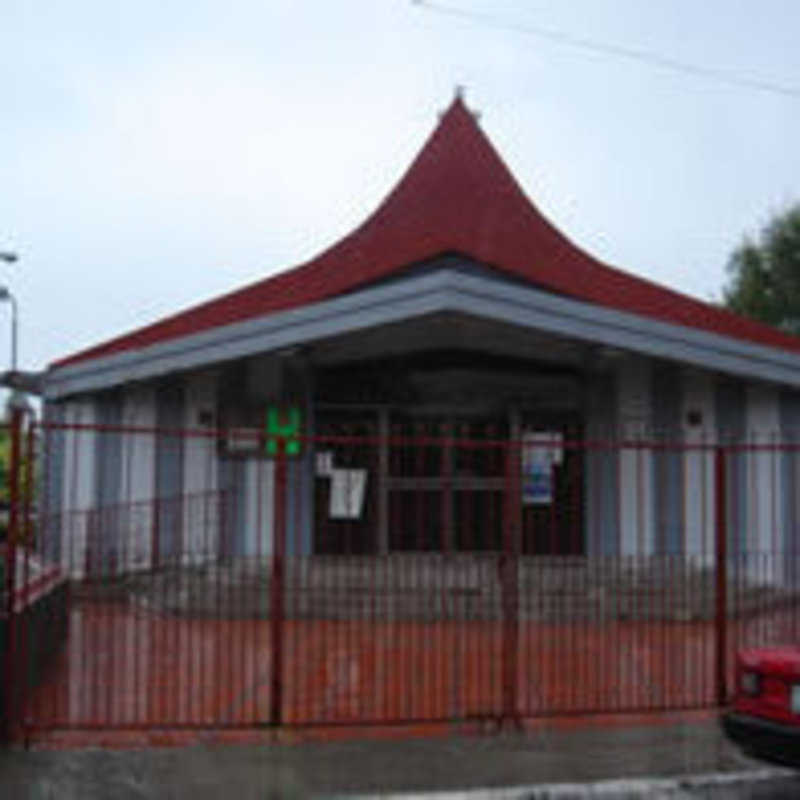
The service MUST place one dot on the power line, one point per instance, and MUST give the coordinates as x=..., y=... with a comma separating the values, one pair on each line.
x=605, y=48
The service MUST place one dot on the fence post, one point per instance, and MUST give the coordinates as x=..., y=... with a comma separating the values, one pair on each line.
x=277, y=587
x=12, y=535
x=31, y=627
x=721, y=573
x=509, y=585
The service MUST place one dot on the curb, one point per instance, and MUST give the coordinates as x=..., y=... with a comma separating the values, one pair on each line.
x=760, y=783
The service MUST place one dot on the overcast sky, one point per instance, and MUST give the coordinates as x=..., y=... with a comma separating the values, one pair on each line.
x=156, y=153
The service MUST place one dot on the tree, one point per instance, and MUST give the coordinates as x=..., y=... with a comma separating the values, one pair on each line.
x=764, y=274
x=5, y=472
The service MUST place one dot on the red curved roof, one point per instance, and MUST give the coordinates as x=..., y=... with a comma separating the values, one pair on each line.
x=456, y=197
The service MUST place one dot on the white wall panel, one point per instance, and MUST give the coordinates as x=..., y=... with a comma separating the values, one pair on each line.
x=78, y=501
x=637, y=533
x=138, y=474
x=259, y=505
x=698, y=422
x=764, y=484
x=201, y=517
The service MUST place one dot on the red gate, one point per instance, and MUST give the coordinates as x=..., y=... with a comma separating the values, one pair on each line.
x=382, y=579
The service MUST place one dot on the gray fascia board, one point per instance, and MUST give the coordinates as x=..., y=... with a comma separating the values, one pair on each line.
x=626, y=331
x=446, y=290
x=393, y=302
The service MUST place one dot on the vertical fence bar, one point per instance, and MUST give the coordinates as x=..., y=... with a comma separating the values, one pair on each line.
x=721, y=566
x=509, y=578
x=277, y=583
x=34, y=627
x=30, y=454
x=11, y=678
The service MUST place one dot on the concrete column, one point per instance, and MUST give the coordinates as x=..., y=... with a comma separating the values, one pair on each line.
x=259, y=520
x=698, y=425
x=201, y=506
x=602, y=467
x=635, y=465
x=138, y=473
x=765, y=535
x=79, y=484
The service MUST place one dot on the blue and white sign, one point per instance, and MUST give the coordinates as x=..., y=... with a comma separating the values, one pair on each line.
x=541, y=452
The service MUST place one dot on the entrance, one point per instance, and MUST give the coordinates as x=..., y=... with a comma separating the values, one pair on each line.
x=440, y=480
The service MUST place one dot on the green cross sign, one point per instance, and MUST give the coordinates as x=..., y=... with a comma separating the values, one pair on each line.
x=284, y=433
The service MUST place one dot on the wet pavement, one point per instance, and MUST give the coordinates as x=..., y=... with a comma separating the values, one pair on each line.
x=545, y=755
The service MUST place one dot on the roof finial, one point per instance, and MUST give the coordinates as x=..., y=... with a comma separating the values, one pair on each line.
x=458, y=97
x=460, y=91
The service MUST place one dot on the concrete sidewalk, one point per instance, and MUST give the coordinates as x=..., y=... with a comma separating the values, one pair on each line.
x=678, y=760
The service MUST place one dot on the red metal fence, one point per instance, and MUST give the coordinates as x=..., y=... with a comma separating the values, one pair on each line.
x=385, y=579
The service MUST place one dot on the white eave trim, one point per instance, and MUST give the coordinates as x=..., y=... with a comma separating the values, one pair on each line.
x=446, y=290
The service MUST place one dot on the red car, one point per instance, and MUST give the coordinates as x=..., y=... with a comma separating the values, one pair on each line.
x=765, y=718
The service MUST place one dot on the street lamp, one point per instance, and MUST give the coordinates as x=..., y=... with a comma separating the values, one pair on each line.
x=17, y=401
x=5, y=295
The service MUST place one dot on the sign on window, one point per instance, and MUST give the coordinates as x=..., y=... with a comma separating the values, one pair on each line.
x=541, y=452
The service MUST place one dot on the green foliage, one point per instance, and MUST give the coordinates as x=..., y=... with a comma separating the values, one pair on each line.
x=764, y=280
x=5, y=473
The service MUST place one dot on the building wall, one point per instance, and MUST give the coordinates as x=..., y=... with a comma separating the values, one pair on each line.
x=731, y=415
x=78, y=487
x=252, y=479
x=300, y=489
x=668, y=466
x=53, y=454
x=790, y=468
x=602, y=467
x=764, y=482
x=698, y=431
x=635, y=422
x=202, y=504
x=666, y=495
x=109, y=540
x=178, y=491
x=137, y=481
x=257, y=517
x=170, y=417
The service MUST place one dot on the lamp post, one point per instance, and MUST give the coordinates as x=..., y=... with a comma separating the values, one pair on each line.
x=5, y=295
x=13, y=522
x=10, y=257
x=17, y=399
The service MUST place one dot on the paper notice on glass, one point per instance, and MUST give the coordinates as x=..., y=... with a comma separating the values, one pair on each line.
x=348, y=488
x=541, y=452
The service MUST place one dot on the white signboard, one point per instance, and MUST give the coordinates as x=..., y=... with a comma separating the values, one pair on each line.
x=242, y=440
x=348, y=488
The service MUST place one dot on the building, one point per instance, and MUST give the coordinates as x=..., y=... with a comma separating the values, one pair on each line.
x=455, y=312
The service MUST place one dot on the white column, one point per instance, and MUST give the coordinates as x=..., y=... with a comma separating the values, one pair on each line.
x=634, y=409
x=765, y=536
x=78, y=499
x=138, y=474
x=201, y=502
x=258, y=513
x=698, y=423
